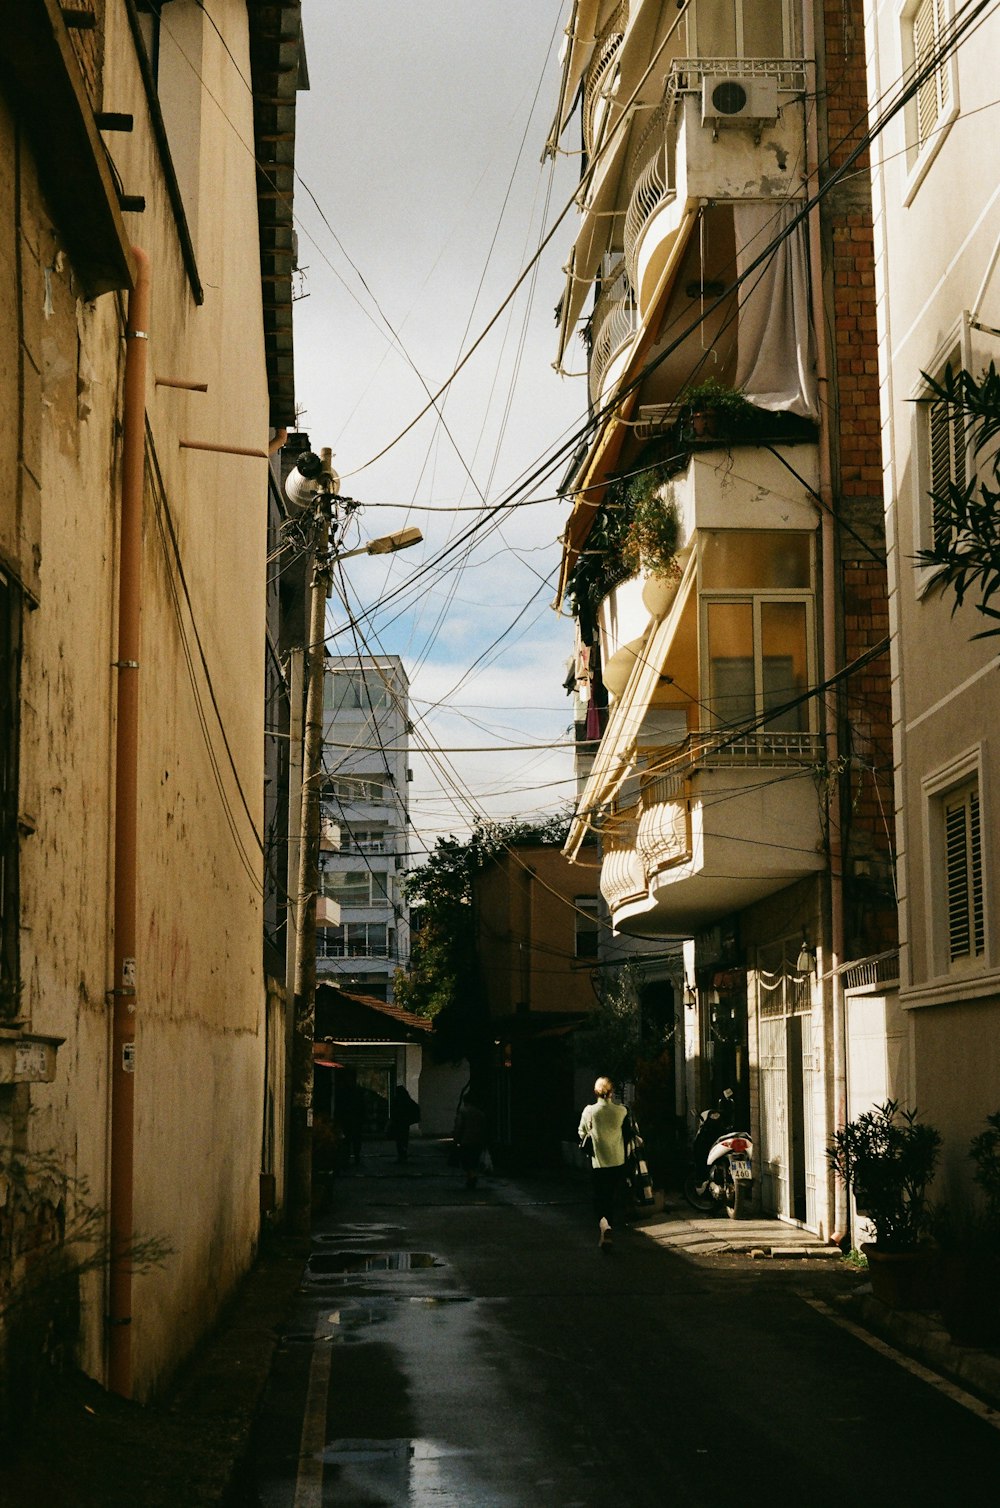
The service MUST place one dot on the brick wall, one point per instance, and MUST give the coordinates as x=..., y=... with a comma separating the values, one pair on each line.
x=866, y=733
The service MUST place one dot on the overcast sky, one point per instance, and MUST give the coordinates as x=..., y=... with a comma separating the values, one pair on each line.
x=420, y=139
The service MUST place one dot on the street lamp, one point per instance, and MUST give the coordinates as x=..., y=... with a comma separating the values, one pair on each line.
x=313, y=486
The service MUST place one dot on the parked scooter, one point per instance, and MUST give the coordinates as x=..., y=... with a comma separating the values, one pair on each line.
x=721, y=1172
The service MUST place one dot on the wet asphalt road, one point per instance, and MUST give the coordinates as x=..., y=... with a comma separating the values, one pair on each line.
x=477, y=1350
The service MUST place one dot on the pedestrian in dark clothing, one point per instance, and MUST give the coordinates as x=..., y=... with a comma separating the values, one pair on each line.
x=604, y=1122
x=404, y=1113
x=470, y=1138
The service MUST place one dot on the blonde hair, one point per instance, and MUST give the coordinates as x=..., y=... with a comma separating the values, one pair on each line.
x=604, y=1089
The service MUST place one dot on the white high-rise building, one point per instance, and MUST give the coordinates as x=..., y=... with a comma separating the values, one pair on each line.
x=363, y=932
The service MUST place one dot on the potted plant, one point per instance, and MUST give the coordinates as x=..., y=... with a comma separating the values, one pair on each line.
x=711, y=409
x=652, y=539
x=887, y=1158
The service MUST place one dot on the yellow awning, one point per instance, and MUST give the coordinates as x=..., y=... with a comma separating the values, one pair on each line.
x=611, y=433
x=581, y=33
x=616, y=755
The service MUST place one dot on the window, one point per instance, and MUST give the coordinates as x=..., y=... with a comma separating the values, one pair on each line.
x=586, y=925
x=758, y=657
x=357, y=788
x=945, y=441
x=355, y=887
x=356, y=690
x=742, y=29
x=929, y=113
x=927, y=26
x=10, y=697
x=964, y=874
x=940, y=449
x=365, y=840
x=356, y=940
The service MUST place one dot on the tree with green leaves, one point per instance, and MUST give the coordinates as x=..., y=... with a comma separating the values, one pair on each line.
x=443, y=980
x=966, y=546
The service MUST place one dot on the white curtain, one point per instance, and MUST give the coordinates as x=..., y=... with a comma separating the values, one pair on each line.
x=776, y=364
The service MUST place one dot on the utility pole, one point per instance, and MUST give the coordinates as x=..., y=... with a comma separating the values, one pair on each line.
x=316, y=470
x=313, y=484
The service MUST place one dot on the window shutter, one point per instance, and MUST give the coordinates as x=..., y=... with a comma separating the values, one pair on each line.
x=946, y=445
x=934, y=92
x=964, y=876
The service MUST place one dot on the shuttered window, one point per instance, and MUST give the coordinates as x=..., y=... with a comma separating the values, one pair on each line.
x=964, y=875
x=933, y=92
x=946, y=452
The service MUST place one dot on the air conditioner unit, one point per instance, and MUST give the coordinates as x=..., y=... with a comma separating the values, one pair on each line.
x=729, y=101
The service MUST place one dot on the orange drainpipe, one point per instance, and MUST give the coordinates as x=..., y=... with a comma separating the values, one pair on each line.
x=124, y=988
x=830, y=656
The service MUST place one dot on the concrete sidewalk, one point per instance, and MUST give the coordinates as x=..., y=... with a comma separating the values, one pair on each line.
x=691, y=1234
x=917, y=1334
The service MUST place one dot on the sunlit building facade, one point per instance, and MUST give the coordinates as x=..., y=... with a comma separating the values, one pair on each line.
x=724, y=554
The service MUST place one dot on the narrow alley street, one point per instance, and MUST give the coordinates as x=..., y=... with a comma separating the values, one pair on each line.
x=476, y=1348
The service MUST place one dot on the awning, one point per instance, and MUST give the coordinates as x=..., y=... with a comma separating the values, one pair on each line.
x=613, y=760
x=578, y=44
x=610, y=437
x=593, y=238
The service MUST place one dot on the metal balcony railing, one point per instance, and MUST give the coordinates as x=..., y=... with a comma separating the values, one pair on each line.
x=599, y=72
x=613, y=326
x=651, y=173
x=619, y=829
x=762, y=749
x=791, y=73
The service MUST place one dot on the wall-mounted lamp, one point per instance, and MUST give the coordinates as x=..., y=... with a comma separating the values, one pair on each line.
x=690, y=995
x=806, y=961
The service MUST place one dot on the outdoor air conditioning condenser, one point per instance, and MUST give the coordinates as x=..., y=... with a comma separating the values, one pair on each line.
x=731, y=101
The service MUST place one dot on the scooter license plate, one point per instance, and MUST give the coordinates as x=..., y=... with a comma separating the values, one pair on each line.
x=740, y=1168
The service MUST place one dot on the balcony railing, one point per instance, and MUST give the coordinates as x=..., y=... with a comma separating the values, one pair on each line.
x=761, y=749
x=613, y=326
x=791, y=73
x=601, y=65
x=340, y=949
x=651, y=173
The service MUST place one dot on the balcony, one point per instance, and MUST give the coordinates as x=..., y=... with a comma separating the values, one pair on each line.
x=683, y=157
x=725, y=823
x=613, y=327
x=600, y=73
x=623, y=878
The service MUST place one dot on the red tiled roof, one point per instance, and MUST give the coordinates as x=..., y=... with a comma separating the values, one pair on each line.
x=395, y=1012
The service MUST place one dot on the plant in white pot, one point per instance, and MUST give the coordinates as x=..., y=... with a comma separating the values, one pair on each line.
x=887, y=1158
x=652, y=541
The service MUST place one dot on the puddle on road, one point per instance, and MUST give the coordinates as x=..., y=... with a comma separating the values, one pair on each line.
x=412, y=1471
x=356, y=1452
x=367, y=1231
x=350, y=1323
x=371, y=1261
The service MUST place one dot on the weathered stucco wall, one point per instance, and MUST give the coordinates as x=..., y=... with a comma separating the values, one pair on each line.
x=201, y=991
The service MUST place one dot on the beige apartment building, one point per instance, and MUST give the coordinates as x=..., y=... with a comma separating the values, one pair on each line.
x=724, y=554
x=145, y=364
x=936, y=191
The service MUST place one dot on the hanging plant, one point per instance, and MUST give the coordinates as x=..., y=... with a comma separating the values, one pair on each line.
x=653, y=536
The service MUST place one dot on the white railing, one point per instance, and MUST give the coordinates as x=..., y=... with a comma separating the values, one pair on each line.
x=761, y=749
x=791, y=73
x=605, y=51
x=613, y=326
x=651, y=172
